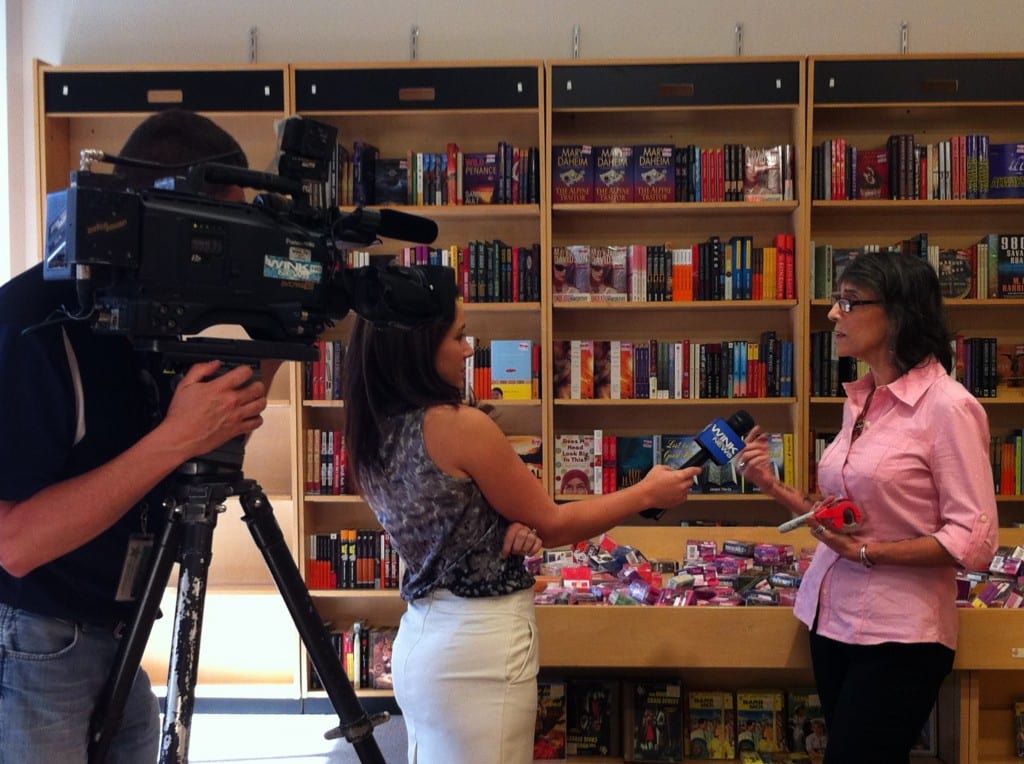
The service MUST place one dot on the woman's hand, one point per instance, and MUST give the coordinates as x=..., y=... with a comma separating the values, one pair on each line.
x=521, y=540
x=754, y=462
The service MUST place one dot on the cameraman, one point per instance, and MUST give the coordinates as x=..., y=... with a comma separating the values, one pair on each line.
x=89, y=431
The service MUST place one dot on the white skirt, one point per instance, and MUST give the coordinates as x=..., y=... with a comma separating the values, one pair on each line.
x=465, y=673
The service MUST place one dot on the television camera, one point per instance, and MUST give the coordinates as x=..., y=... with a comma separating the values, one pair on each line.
x=160, y=263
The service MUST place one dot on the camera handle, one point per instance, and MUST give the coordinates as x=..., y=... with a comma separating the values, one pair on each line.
x=196, y=500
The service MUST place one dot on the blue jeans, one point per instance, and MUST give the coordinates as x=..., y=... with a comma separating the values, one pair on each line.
x=51, y=675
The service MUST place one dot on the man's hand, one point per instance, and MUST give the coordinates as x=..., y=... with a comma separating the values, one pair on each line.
x=209, y=410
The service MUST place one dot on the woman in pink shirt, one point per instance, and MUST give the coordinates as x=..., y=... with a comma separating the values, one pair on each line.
x=912, y=454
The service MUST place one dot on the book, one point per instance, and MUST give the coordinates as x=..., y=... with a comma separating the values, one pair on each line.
x=549, y=732
x=479, y=177
x=761, y=721
x=563, y=276
x=382, y=642
x=364, y=162
x=1010, y=265
x=572, y=174
x=529, y=448
x=803, y=706
x=635, y=458
x=873, y=174
x=1006, y=170
x=594, y=716
x=613, y=174
x=512, y=369
x=655, y=721
x=1018, y=727
x=956, y=273
x=574, y=464
x=762, y=178
x=710, y=725
x=654, y=174
x=391, y=181
x=561, y=366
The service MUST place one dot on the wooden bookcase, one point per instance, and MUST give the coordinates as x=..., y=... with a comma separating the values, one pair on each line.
x=97, y=108
x=421, y=108
x=865, y=99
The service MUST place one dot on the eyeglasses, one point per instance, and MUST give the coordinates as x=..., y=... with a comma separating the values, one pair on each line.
x=847, y=306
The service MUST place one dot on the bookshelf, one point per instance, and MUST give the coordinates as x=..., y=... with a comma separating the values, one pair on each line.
x=711, y=104
x=865, y=99
x=403, y=108
x=421, y=107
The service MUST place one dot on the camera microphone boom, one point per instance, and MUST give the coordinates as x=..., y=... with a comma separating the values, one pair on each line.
x=719, y=442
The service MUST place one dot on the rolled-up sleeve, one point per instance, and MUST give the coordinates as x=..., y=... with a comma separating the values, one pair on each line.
x=962, y=472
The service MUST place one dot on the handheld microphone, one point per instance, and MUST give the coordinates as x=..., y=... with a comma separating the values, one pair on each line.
x=719, y=442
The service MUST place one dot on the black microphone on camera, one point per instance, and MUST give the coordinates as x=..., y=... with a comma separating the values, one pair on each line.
x=364, y=226
x=719, y=442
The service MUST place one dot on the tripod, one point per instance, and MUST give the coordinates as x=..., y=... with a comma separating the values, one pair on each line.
x=199, y=489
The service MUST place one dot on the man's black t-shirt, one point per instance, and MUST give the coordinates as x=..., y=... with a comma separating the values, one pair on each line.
x=73, y=399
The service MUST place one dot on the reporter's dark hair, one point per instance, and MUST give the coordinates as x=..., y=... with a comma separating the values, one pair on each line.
x=389, y=371
x=176, y=138
x=908, y=287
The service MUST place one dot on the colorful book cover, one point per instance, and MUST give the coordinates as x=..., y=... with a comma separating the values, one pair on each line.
x=549, y=733
x=956, y=273
x=1010, y=265
x=873, y=174
x=602, y=368
x=563, y=276
x=381, y=645
x=762, y=179
x=580, y=254
x=803, y=707
x=613, y=174
x=654, y=174
x=1006, y=170
x=1018, y=727
x=574, y=464
x=761, y=721
x=617, y=282
x=479, y=176
x=529, y=448
x=710, y=725
x=572, y=175
x=391, y=181
x=594, y=715
x=655, y=721
x=635, y=458
x=561, y=364
x=602, y=286
x=512, y=369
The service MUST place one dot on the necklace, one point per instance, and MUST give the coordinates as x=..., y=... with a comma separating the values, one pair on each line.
x=860, y=424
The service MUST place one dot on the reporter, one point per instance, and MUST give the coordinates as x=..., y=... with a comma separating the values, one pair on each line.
x=912, y=454
x=84, y=451
x=445, y=483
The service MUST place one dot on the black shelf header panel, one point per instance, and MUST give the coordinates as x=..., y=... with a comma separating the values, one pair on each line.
x=919, y=81
x=644, y=85
x=438, y=88
x=145, y=91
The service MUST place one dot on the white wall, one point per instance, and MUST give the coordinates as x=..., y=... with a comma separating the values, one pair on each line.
x=171, y=32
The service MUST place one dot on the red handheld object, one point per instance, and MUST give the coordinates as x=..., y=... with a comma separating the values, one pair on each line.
x=843, y=515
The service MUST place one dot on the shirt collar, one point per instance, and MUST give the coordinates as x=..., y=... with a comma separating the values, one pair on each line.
x=908, y=388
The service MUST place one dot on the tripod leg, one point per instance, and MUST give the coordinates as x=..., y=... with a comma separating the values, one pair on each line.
x=106, y=719
x=355, y=725
x=183, y=667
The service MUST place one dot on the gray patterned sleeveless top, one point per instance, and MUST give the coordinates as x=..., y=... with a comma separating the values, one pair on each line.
x=446, y=532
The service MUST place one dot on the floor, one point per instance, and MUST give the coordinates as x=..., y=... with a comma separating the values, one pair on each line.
x=291, y=738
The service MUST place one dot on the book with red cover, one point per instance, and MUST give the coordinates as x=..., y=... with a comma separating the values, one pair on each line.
x=873, y=174
x=480, y=174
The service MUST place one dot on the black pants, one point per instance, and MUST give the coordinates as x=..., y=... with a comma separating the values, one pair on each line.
x=876, y=698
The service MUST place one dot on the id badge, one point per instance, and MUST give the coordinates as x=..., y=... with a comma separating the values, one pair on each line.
x=136, y=567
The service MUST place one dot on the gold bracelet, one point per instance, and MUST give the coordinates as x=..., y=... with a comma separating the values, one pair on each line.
x=864, y=557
